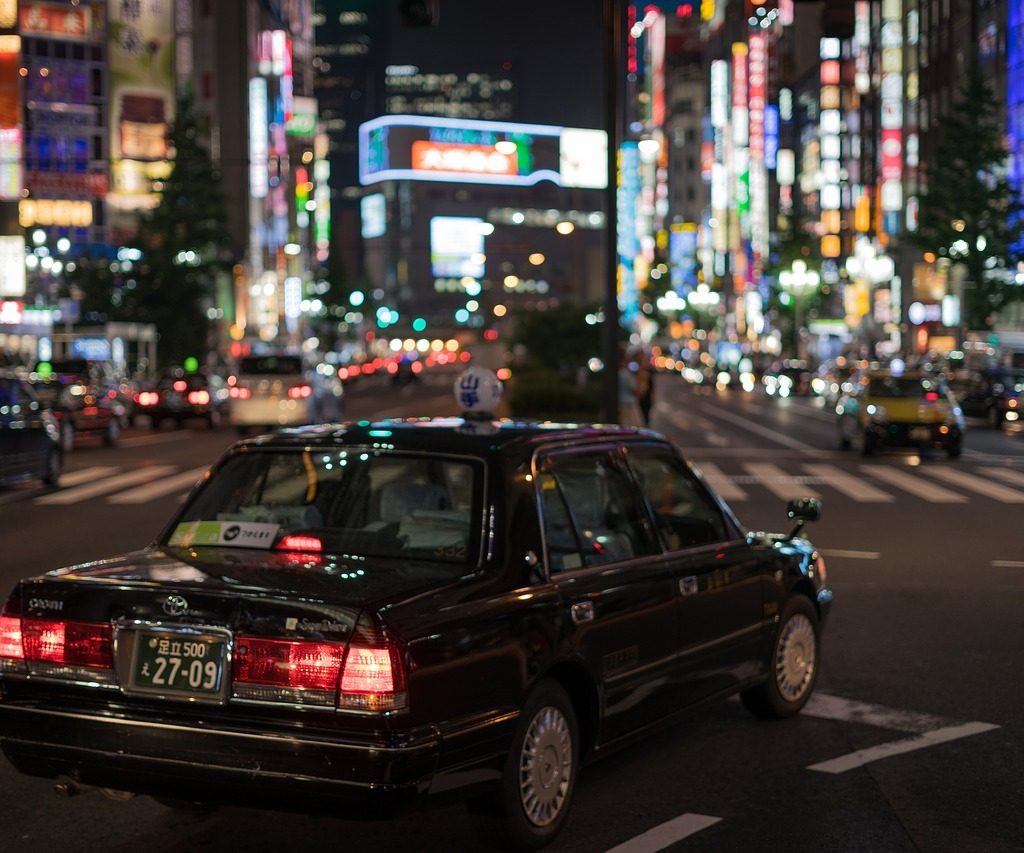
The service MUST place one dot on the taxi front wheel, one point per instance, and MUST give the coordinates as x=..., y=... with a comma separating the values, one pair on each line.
x=793, y=667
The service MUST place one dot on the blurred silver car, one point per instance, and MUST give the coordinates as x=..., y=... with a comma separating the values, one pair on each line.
x=280, y=390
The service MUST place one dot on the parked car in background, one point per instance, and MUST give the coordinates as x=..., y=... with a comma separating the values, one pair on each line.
x=993, y=393
x=279, y=390
x=81, y=400
x=349, y=620
x=180, y=396
x=884, y=409
x=29, y=437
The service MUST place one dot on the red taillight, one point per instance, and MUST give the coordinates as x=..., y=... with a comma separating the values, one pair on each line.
x=239, y=393
x=299, y=391
x=393, y=367
x=372, y=678
x=199, y=398
x=180, y=385
x=368, y=368
x=417, y=367
x=931, y=396
x=297, y=665
x=67, y=643
x=147, y=398
x=10, y=638
x=291, y=542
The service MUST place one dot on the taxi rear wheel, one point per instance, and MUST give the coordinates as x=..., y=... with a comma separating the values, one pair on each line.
x=54, y=467
x=112, y=432
x=793, y=667
x=539, y=777
x=868, y=443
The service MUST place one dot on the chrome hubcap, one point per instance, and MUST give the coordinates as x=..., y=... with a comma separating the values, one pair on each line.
x=545, y=766
x=795, y=658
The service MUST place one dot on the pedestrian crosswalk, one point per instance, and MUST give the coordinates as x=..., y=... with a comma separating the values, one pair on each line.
x=136, y=486
x=866, y=484
x=743, y=481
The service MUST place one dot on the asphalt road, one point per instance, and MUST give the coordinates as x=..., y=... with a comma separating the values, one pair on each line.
x=914, y=740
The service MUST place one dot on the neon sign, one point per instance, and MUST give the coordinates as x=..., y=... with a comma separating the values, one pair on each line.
x=426, y=148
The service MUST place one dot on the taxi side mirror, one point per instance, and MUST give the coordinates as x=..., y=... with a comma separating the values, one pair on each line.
x=803, y=510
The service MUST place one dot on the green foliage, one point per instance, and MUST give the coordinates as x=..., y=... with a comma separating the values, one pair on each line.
x=969, y=197
x=547, y=395
x=185, y=244
x=559, y=339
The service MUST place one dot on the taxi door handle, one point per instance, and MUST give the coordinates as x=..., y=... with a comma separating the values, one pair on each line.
x=582, y=611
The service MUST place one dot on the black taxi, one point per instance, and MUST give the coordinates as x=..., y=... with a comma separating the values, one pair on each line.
x=352, y=617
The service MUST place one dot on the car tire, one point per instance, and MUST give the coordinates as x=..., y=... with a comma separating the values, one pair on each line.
x=539, y=778
x=868, y=442
x=54, y=467
x=213, y=419
x=953, y=451
x=995, y=418
x=844, y=442
x=112, y=432
x=793, y=666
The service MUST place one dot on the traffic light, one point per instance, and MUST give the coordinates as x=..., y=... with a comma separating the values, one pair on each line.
x=418, y=13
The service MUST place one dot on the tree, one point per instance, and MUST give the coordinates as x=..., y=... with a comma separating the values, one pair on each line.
x=185, y=244
x=970, y=212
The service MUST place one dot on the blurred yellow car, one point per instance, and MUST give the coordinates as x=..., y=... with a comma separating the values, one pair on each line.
x=883, y=408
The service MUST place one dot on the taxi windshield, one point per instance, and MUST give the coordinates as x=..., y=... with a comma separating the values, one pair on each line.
x=352, y=500
x=902, y=386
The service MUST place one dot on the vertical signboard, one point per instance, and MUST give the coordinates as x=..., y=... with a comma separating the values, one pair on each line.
x=11, y=181
x=140, y=59
x=892, y=114
x=259, y=177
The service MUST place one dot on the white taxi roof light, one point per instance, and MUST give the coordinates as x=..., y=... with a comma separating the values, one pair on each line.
x=478, y=391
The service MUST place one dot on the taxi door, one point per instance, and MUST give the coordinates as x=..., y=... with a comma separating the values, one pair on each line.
x=718, y=579
x=616, y=592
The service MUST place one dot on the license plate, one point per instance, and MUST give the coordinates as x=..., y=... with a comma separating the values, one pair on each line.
x=920, y=433
x=188, y=665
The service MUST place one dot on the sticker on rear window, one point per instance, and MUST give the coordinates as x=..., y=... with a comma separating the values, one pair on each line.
x=238, y=534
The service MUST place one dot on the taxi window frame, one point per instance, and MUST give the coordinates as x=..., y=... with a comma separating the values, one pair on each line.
x=613, y=448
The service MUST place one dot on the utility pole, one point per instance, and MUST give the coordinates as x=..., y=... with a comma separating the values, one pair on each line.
x=612, y=29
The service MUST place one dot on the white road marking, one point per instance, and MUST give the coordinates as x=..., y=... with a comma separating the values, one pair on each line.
x=830, y=707
x=1009, y=474
x=159, y=488
x=773, y=478
x=158, y=438
x=747, y=424
x=85, y=475
x=720, y=482
x=1008, y=564
x=915, y=485
x=928, y=729
x=850, y=555
x=899, y=747
x=853, y=487
x=109, y=484
x=987, y=488
x=666, y=834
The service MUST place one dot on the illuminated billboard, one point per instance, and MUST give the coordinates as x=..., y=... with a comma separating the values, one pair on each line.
x=424, y=148
x=140, y=62
x=12, y=265
x=457, y=246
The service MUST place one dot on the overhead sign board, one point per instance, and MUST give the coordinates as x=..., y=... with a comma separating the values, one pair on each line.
x=425, y=148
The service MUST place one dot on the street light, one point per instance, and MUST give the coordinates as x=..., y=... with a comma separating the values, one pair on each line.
x=799, y=282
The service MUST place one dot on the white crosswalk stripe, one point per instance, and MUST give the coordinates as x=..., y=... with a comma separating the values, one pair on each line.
x=159, y=488
x=86, y=475
x=786, y=486
x=720, y=482
x=851, y=486
x=106, y=485
x=1010, y=475
x=982, y=486
x=917, y=486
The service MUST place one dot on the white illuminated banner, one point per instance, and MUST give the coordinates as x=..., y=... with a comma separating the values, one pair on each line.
x=259, y=176
x=373, y=215
x=719, y=93
x=12, y=266
x=457, y=246
x=785, y=169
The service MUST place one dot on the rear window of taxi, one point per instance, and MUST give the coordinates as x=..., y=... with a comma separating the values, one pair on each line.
x=902, y=386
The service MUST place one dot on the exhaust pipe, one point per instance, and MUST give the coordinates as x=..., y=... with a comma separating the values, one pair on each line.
x=69, y=789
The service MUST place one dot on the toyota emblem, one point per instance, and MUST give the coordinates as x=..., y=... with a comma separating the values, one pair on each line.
x=175, y=605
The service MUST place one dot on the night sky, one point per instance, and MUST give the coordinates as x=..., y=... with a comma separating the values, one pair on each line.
x=555, y=48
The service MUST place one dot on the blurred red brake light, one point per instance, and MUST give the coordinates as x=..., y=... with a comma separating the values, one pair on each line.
x=10, y=638
x=292, y=542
